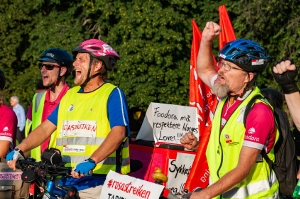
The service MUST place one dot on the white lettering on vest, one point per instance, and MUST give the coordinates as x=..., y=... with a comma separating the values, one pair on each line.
x=80, y=128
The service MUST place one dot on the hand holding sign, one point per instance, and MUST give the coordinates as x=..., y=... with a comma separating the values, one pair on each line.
x=189, y=141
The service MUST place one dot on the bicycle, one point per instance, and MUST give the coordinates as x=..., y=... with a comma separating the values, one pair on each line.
x=36, y=172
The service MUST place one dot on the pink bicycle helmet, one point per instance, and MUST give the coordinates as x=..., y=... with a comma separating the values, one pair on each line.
x=100, y=50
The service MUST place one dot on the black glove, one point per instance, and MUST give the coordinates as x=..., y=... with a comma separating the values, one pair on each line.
x=287, y=80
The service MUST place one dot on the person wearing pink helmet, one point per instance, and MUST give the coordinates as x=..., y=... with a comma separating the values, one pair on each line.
x=91, y=123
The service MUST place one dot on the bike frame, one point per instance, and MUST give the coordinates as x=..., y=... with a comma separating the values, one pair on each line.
x=53, y=191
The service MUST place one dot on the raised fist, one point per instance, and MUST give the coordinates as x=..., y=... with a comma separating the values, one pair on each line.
x=284, y=73
x=211, y=31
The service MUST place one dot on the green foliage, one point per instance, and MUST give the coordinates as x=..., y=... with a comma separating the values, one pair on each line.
x=152, y=37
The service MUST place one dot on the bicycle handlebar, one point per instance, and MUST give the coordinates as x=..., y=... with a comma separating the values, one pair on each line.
x=53, y=170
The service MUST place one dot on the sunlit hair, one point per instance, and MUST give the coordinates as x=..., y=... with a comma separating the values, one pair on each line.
x=15, y=98
x=103, y=71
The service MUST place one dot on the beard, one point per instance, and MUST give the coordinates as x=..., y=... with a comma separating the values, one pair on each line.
x=219, y=89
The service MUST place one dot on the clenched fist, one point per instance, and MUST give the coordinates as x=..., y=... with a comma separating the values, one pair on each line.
x=284, y=73
x=211, y=31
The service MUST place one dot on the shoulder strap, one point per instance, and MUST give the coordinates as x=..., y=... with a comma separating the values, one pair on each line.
x=249, y=107
x=247, y=111
x=38, y=98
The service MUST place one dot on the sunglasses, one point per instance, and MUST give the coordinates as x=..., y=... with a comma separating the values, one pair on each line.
x=47, y=66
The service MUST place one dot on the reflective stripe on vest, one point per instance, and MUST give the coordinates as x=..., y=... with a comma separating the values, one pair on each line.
x=223, y=154
x=251, y=189
x=28, y=125
x=77, y=144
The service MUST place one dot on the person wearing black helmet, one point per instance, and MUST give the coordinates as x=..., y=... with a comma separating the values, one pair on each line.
x=55, y=65
x=236, y=167
x=91, y=123
x=8, y=123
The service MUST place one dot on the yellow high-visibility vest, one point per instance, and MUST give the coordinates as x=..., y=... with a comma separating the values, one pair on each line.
x=223, y=152
x=82, y=127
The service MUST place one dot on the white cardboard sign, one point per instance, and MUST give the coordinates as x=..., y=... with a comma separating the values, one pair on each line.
x=178, y=171
x=168, y=123
x=118, y=186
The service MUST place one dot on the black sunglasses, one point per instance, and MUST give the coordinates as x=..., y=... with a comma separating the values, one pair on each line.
x=47, y=66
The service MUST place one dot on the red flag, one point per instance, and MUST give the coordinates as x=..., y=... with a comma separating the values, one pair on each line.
x=202, y=98
x=227, y=33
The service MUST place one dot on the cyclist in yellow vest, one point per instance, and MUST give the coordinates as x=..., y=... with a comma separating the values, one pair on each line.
x=234, y=151
x=55, y=65
x=91, y=122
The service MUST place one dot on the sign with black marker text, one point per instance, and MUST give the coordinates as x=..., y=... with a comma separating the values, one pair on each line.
x=118, y=186
x=178, y=171
x=168, y=123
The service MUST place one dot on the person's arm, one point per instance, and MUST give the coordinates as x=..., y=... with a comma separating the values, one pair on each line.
x=34, y=139
x=4, y=147
x=205, y=63
x=247, y=159
x=293, y=102
x=22, y=118
x=284, y=74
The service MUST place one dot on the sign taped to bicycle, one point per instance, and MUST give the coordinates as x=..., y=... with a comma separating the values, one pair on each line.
x=168, y=123
x=123, y=186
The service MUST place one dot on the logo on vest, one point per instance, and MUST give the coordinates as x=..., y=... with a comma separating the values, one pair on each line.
x=73, y=149
x=70, y=109
x=251, y=130
x=227, y=137
x=5, y=128
x=80, y=128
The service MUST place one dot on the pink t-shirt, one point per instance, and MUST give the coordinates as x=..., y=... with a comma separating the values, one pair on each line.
x=8, y=126
x=260, y=125
x=48, y=108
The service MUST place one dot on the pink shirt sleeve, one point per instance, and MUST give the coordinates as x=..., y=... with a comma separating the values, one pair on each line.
x=8, y=124
x=260, y=128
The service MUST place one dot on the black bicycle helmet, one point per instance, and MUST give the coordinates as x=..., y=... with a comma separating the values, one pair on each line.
x=59, y=56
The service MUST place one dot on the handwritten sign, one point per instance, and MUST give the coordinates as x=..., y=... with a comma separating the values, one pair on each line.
x=168, y=123
x=118, y=186
x=178, y=171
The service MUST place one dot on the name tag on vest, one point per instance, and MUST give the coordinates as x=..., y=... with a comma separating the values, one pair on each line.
x=81, y=128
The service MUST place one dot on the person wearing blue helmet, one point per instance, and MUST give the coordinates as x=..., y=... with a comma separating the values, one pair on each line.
x=234, y=151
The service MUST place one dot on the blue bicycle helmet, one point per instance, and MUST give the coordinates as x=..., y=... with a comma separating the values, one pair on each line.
x=247, y=54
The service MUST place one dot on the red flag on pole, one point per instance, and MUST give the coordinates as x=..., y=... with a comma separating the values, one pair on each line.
x=227, y=33
x=202, y=98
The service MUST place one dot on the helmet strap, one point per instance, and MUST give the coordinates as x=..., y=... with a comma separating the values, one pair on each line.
x=88, y=78
x=52, y=88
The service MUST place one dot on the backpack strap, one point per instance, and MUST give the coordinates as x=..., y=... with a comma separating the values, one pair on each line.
x=247, y=111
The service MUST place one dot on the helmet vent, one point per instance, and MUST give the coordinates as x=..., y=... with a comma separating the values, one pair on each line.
x=226, y=47
x=242, y=57
x=244, y=43
x=232, y=51
x=95, y=48
x=257, y=54
x=251, y=48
